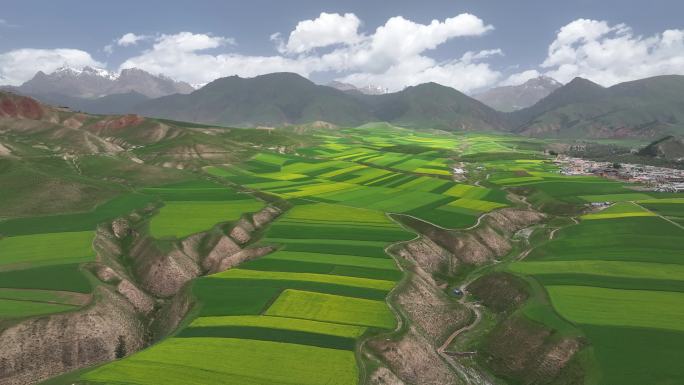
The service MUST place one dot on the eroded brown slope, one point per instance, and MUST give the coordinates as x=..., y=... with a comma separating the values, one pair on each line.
x=142, y=297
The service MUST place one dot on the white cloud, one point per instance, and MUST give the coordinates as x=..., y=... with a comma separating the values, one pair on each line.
x=130, y=39
x=393, y=56
x=20, y=65
x=519, y=78
x=610, y=54
x=464, y=74
x=400, y=39
x=326, y=30
x=180, y=56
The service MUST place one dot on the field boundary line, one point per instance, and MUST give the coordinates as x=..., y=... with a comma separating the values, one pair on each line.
x=658, y=215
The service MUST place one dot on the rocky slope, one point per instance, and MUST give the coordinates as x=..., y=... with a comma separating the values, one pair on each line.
x=439, y=250
x=518, y=348
x=413, y=355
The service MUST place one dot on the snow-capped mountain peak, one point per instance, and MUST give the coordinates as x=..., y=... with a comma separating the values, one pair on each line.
x=92, y=82
x=369, y=89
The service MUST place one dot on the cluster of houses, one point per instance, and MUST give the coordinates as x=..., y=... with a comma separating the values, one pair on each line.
x=653, y=178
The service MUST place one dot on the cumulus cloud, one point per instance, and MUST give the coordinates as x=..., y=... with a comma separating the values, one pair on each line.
x=610, y=54
x=400, y=39
x=126, y=40
x=181, y=56
x=18, y=66
x=393, y=56
x=465, y=74
x=130, y=39
x=519, y=78
x=326, y=30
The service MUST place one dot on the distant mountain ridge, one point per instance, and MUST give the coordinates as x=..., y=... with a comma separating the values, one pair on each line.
x=92, y=83
x=646, y=108
x=512, y=98
x=286, y=98
x=649, y=107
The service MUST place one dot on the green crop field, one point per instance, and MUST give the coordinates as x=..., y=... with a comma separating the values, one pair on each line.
x=635, y=308
x=182, y=218
x=332, y=308
x=44, y=249
x=282, y=323
x=21, y=308
x=617, y=276
x=228, y=360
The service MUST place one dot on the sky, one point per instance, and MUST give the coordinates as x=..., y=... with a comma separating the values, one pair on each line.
x=470, y=45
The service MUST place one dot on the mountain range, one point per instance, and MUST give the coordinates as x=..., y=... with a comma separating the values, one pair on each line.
x=647, y=108
x=513, y=98
x=97, y=90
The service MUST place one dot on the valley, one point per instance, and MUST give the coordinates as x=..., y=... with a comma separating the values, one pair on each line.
x=323, y=255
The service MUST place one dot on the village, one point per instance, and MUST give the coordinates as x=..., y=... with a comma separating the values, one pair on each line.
x=650, y=177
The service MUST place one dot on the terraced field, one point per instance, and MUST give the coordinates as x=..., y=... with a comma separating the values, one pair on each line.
x=372, y=177
x=40, y=273
x=44, y=256
x=310, y=301
x=618, y=276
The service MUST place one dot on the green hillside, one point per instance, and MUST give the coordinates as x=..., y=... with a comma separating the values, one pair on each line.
x=284, y=98
x=646, y=108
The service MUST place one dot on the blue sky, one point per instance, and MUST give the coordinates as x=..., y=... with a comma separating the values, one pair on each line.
x=471, y=45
